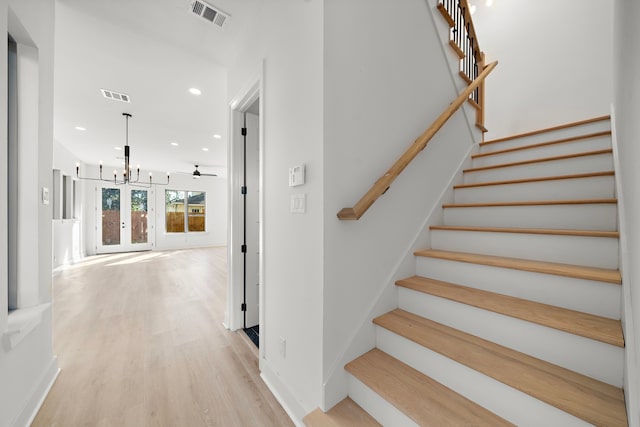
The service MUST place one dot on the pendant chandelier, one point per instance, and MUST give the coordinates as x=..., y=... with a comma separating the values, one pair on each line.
x=127, y=173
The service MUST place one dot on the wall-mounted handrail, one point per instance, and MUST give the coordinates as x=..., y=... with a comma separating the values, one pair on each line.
x=383, y=184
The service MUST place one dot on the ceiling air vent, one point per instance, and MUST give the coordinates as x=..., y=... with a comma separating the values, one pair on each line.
x=210, y=13
x=116, y=96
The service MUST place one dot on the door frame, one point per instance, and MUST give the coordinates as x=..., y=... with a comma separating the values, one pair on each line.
x=237, y=107
x=125, y=216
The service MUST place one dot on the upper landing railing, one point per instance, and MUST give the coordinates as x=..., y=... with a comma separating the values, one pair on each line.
x=464, y=42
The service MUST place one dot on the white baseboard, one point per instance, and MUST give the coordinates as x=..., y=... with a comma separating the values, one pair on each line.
x=283, y=395
x=32, y=406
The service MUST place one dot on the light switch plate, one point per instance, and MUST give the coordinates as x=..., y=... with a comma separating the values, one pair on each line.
x=298, y=203
x=45, y=196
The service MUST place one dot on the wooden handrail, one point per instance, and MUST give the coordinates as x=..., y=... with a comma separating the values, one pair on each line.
x=382, y=185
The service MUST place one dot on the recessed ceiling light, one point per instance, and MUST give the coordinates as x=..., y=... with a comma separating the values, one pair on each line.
x=80, y=128
x=117, y=148
x=205, y=149
x=489, y=3
x=217, y=136
x=195, y=91
x=175, y=144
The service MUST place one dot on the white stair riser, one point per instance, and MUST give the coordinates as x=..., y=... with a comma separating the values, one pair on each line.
x=592, y=358
x=548, y=136
x=574, y=165
x=384, y=412
x=589, y=296
x=578, y=250
x=601, y=216
x=506, y=402
x=600, y=187
x=579, y=146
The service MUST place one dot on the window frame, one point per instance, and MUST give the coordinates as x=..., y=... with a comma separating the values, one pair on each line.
x=186, y=211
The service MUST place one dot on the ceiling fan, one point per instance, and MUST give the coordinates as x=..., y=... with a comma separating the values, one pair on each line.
x=197, y=174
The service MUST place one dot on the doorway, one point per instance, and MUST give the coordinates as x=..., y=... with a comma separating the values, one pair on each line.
x=124, y=219
x=246, y=239
x=251, y=224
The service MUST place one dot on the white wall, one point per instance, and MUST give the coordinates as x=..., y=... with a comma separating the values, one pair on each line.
x=346, y=90
x=555, y=62
x=627, y=111
x=68, y=234
x=28, y=367
x=386, y=81
x=286, y=37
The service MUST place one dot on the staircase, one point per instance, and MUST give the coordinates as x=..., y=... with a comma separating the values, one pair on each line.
x=513, y=316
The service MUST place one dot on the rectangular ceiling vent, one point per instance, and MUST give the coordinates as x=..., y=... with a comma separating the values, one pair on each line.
x=210, y=13
x=116, y=96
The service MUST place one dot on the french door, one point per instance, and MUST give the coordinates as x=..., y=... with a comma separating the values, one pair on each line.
x=125, y=219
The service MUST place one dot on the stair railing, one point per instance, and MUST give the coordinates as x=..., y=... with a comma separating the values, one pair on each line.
x=382, y=185
x=464, y=41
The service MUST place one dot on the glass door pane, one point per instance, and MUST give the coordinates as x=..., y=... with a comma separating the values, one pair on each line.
x=110, y=216
x=139, y=216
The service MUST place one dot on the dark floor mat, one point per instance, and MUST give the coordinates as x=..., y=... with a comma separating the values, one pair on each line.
x=254, y=334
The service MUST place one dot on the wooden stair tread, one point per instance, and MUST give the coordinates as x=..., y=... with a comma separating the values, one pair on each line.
x=346, y=413
x=421, y=398
x=474, y=104
x=540, y=160
x=567, y=270
x=586, y=325
x=550, y=129
x=542, y=144
x=550, y=231
x=456, y=49
x=448, y=19
x=464, y=77
x=586, y=398
x=539, y=179
x=531, y=203
x=482, y=128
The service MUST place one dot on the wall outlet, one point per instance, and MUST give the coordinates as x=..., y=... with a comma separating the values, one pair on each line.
x=283, y=347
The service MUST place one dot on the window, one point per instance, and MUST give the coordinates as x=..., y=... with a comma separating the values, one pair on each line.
x=185, y=207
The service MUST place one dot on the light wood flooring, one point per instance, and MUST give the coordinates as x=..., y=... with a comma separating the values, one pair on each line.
x=140, y=342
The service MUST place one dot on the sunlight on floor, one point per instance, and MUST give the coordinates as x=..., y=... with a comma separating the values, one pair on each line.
x=140, y=258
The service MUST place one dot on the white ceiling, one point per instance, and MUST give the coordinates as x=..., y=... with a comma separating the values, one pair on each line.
x=154, y=51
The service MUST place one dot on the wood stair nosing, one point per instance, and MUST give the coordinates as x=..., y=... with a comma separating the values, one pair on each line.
x=473, y=103
x=464, y=77
x=586, y=325
x=531, y=203
x=424, y=400
x=586, y=398
x=539, y=179
x=565, y=270
x=540, y=160
x=456, y=49
x=549, y=231
x=447, y=17
x=345, y=414
x=550, y=129
x=541, y=144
